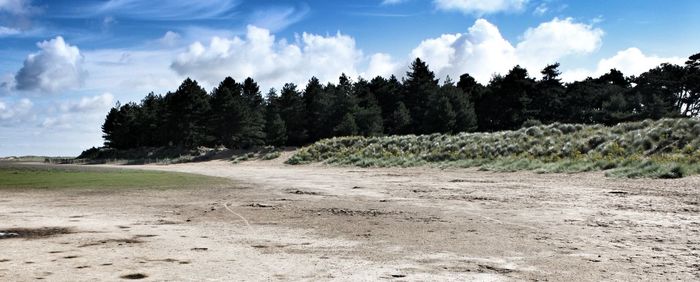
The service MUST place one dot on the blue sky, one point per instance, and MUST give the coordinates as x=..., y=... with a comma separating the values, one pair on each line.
x=63, y=64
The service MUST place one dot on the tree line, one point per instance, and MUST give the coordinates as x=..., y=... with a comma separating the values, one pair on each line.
x=236, y=115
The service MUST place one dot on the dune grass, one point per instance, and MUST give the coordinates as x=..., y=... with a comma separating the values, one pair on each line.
x=56, y=177
x=667, y=148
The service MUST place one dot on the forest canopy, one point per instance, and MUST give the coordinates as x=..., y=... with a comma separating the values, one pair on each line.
x=236, y=115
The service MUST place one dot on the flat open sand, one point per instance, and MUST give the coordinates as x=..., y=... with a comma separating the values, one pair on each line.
x=315, y=223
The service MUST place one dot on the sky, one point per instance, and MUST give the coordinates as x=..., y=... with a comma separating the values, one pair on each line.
x=64, y=63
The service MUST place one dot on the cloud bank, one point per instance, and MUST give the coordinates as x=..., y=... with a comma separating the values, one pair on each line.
x=482, y=51
x=630, y=61
x=274, y=62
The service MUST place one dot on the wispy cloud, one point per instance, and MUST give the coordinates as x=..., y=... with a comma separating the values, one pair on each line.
x=480, y=7
x=392, y=2
x=541, y=9
x=5, y=31
x=381, y=15
x=171, y=10
x=15, y=17
x=278, y=18
x=16, y=7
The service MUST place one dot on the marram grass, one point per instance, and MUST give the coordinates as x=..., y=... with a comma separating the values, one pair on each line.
x=667, y=148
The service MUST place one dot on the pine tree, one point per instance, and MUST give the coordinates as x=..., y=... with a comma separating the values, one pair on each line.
x=317, y=104
x=690, y=96
x=659, y=91
x=343, y=104
x=400, y=120
x=188, y=111
x=549, y=97
x=420, y=84
x=228, y=113
x=253, y=122
x=292, y=111
x=439, y=117
x=368, y=116
x=388, y=94
x=465, y=117
x=506, y=102
x=275, y=128
x=152, y=121
x=346, y=127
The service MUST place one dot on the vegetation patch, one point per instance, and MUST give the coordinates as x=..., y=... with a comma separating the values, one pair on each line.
x=33, y=233
x=667, y=148
x=53, y=177
x=266, y=153
x=144, y=155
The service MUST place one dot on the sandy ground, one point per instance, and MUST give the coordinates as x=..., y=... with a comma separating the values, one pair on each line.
x=278, y=222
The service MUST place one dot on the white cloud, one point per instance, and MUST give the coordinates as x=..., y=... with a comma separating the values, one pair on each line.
x=170, y=39
x=57, y=66
x=16, y=7
x=482, y=51
x=381, y=64
x=631, y=61
x=439, y=52
x=99, y=103
x=541, y=9
x=6, y=31
x=130, y=74
x=80, y=114
x=271, y=62
x=15, y=111
x=480, y=7
x=556, y=39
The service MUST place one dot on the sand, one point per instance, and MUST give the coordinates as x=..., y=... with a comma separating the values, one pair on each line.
x=317, y=223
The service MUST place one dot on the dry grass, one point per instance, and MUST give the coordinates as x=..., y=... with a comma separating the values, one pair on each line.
x=666, y=148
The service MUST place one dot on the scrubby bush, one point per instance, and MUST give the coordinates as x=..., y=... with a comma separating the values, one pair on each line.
x=663, y=148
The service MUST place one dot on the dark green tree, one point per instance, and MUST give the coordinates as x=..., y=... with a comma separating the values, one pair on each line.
x=419, y=85
x=252, y=133
x=229, y=114
x=506, y=102
x=346, y=127
x=400, y=121
x=659, y=92
x=188, y=113
x=275, y=128
x=690, y=96
x=343, y=103
x=548, y=99
x=293, y=112
x=317, y=103
x=461, y=104
x=152, y=123
x=368, y=115
x=389, y=94
x=439, y=117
